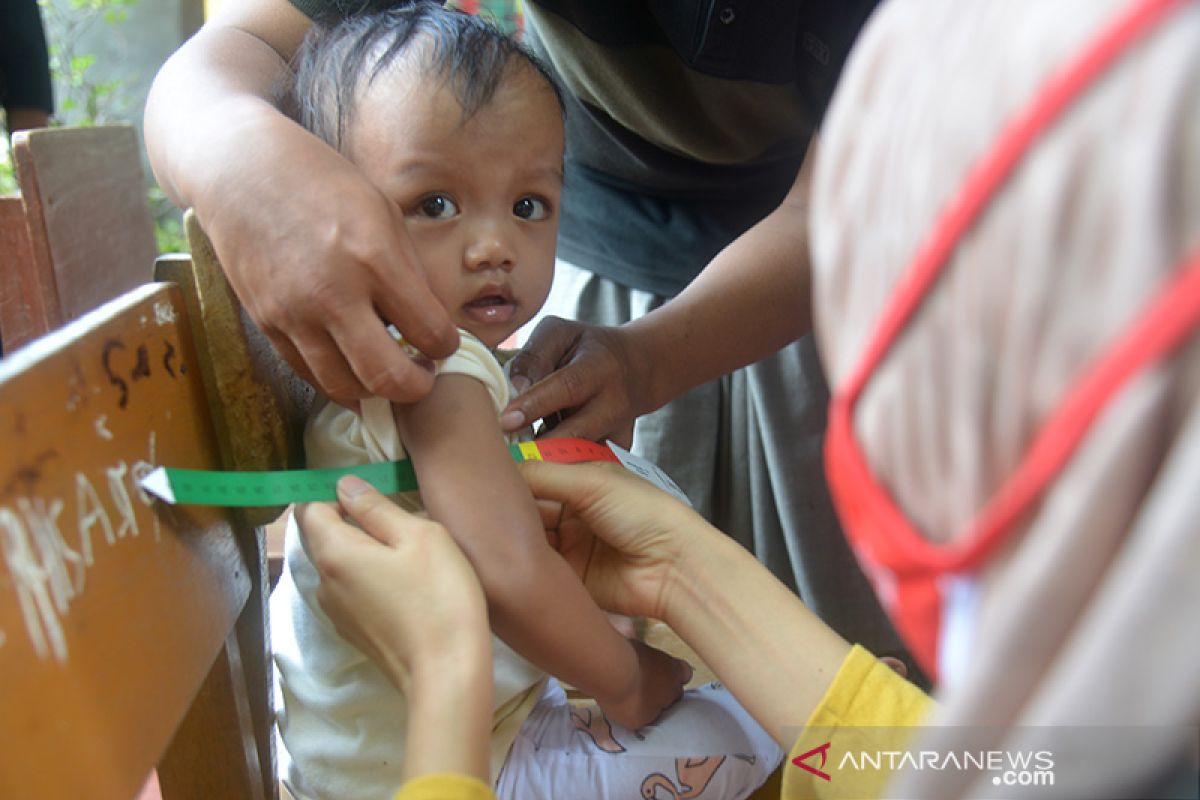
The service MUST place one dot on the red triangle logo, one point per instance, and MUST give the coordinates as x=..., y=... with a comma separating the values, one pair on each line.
x=823, y=750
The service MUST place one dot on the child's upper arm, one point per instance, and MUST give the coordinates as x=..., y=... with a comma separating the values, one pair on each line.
x=467, y=478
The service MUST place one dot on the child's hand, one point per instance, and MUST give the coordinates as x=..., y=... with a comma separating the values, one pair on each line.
x=660, y=681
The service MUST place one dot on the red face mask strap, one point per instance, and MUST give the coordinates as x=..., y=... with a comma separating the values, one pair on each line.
x=1166, y=323
x=876, y=526
x=994, y=169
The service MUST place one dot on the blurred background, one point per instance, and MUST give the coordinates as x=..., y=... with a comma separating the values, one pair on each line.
x=104, y=55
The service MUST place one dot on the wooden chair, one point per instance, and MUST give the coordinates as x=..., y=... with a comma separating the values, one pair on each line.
x=132, y=634
x=260, y=404
x=88, y=232
x=18, y=308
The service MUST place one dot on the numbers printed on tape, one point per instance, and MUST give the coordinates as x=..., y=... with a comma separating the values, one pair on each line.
x=256, y=489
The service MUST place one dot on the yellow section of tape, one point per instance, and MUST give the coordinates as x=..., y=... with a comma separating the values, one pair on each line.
x=529, y=451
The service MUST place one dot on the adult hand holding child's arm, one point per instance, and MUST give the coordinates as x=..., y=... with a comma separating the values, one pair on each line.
x=400, y=590
x=317, y=255
x=643, y=553
x=753, y=298
x=536, y=603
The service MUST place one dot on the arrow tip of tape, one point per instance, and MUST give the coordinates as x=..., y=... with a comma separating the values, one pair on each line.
x=158, y=484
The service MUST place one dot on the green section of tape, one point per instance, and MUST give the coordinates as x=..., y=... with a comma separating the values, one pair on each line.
x=252, y=489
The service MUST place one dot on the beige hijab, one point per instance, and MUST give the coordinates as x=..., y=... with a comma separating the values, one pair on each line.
x=1090, y=615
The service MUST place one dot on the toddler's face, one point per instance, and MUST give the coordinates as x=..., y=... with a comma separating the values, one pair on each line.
x=480, y=198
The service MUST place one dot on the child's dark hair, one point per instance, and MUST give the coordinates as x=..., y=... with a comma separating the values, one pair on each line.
x=341, y=56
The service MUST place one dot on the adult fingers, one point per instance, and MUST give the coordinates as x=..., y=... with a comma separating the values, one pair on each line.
x=410, y=305
x=574, y=542
x=323, y=530
x=580, y=370
x=321, y=362
x=377, y=361
x=380, y=517
x=551, y=513
x=628, y=513
x=581, y=488
x=299, y=334
x=400, y=292
x=595, y=421
x=292, y=356
x=575, y=387
x=548, y=346
x=558, y=485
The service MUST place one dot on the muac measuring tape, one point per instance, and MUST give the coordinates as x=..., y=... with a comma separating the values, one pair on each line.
x=233, y=489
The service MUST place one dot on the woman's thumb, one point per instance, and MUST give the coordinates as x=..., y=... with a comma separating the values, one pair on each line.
x=374, y=512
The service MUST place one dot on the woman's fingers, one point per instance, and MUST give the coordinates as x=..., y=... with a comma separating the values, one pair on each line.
x=322, y=528
x=577, y=486
x=378, y=516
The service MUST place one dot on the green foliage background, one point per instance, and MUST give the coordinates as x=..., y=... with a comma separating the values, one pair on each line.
x=82, y=98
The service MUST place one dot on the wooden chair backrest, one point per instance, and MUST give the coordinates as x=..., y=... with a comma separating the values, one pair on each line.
x=89, y=227
x=132, y=634
x=260, y=403
x=21, y=301
x=261, y=410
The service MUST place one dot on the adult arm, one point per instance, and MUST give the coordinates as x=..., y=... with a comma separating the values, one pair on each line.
x=753, y=298
x=538, y=606
x=317, y=255
x=641, y=552
x=652, y=556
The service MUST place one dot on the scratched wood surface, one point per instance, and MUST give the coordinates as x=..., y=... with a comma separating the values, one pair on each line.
x=112, y=608
x=18, y=308
x=91, y=233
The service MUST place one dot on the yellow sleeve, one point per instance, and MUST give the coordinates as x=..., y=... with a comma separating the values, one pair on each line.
x=867, y=712
x=445, y=787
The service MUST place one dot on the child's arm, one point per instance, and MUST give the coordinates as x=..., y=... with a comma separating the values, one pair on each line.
x=470, y=484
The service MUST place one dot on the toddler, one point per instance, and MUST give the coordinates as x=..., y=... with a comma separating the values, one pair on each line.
x=462, y=130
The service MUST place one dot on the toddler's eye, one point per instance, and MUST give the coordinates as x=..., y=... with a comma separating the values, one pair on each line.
x=437, y=206
x=531, y=208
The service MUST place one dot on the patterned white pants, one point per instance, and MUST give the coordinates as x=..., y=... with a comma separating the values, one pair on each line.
x=705, y=746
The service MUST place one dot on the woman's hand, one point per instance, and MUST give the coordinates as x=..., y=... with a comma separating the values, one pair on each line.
x=401, y=591
x=642, y=552
x=399, y=588
x=627, y=539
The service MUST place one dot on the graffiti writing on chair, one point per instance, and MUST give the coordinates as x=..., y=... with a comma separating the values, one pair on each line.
x=50, y=541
